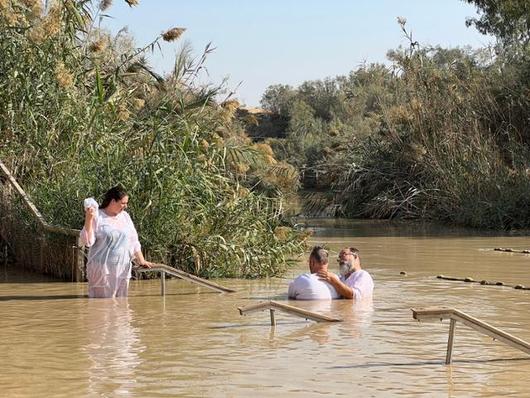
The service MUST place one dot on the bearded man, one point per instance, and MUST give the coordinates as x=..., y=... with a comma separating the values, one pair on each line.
x=354, y=283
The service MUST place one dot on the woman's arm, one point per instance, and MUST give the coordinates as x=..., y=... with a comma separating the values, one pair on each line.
x=88, y=235
x=140, y=260
x=136, y=247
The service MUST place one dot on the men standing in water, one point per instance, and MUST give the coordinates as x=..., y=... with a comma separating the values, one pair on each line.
x=354, y=282
x=309, y=286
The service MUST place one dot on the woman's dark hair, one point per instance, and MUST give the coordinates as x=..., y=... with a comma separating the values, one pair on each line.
x=117, y=193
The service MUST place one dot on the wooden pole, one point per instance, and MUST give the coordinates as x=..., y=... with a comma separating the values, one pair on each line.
x=450, y=341
x=41, y=252
x=79, y=260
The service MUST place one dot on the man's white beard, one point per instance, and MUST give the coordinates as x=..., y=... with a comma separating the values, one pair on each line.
x=344, y=268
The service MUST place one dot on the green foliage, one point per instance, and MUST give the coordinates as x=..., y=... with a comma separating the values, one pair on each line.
x=508, y=20
x=81, y=112
x=323, y=117
x=442, y=134
x=277, y=99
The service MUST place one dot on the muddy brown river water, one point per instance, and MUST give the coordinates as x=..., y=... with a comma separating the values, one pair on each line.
x=55, y=342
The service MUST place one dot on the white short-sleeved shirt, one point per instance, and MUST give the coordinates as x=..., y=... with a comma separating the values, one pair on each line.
x=361, y=282
x=310, y=287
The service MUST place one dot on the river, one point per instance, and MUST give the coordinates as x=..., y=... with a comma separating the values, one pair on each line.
x=55, y=342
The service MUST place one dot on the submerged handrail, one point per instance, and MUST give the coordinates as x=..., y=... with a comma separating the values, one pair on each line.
x=75, y=264
x=31, y=206
x=165, y=269
x=474, y=323
x=274, y=305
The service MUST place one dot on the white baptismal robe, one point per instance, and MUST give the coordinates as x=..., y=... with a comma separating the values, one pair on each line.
x=113, y=244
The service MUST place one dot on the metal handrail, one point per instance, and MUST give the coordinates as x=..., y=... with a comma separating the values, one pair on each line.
x=165, y=269
x=32, y=208
x=274, y=305
x=474, y=323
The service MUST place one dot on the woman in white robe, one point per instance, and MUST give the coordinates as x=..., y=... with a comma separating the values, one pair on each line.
x=113, y=243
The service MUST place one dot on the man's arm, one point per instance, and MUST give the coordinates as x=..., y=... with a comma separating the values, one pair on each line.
x=344, y=290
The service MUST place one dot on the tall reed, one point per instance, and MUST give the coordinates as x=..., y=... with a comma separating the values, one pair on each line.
x=81, y=111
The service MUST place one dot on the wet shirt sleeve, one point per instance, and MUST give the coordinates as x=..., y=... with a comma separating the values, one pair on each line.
x=361, y=283
x=134, y=242
x=86, y=239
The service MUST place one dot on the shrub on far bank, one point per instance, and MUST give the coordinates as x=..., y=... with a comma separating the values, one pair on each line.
x=442, y=135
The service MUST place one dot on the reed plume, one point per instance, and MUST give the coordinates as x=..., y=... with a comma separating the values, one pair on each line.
x=173, y=34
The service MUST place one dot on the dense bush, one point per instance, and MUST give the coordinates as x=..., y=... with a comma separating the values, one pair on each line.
x=440, y=134
x=81, y=111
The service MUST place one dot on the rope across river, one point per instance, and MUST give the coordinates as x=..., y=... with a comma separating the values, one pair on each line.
x=482, y=282
x=491, y=283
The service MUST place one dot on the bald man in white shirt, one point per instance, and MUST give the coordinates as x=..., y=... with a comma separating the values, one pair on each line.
x=309, y=286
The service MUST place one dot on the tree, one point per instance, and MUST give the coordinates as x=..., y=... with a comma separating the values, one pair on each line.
x=508, y=20
x=277, y=99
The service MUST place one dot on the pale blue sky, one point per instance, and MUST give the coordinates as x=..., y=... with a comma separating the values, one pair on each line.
x=259, y=43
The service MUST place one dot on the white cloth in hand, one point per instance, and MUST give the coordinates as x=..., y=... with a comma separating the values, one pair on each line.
x=91, y=202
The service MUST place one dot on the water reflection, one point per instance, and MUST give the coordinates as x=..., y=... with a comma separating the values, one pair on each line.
x=356, y=318
x=336, y=227
x=113, y=347
x=319, y=332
